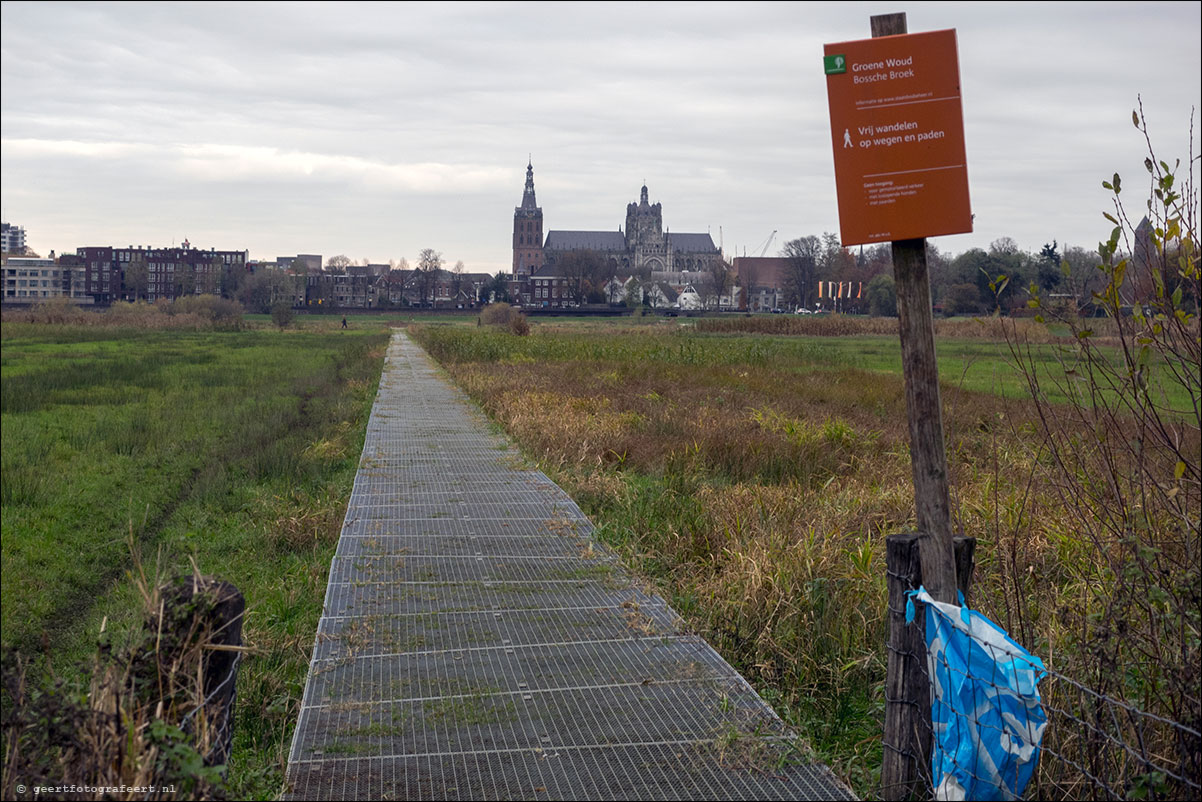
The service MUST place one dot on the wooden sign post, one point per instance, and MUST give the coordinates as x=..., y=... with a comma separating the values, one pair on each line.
x=897, y=132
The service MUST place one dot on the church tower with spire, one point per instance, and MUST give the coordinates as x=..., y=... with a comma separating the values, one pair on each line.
x=527, y=231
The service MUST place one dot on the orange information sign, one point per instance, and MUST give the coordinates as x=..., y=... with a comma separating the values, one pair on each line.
x=897, y=130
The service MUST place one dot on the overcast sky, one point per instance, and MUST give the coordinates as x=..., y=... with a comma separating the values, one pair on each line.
x=380, y=129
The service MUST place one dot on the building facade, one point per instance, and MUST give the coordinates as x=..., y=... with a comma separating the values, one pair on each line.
x=29, y=280
x=12, y=239
x=309, y=261
x=133, y=273
x=764, y=281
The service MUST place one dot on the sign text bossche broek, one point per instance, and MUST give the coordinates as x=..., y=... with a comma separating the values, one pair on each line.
x=897, y=130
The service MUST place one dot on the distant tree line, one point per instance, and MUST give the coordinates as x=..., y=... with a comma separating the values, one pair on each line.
x=966, y=284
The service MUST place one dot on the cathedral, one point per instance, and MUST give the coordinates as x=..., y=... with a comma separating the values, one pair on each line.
x=643, y=248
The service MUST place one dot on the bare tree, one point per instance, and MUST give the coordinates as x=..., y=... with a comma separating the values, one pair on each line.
x=267, y=288
x=429, y=259
x=748, y=278
x=233, y=275
x=339, y=263
x=804, y=255
x=137, y=276
x=429, y=263
x=1004, y=246
x=1081, y=274
x=584, y=271
x=209, y=281
x=457, y=279
x=183, y=280
x=721, y=279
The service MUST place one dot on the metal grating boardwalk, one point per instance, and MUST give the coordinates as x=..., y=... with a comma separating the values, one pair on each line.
x=476, y=643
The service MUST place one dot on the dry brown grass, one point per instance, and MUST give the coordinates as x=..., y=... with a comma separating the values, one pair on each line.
x=985, y=327
x=307, y=524
x=740, y=422
x=759, y=497
x=786, y=473
x=193, y=312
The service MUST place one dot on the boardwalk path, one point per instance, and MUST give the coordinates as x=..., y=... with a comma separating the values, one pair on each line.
x=477, y=644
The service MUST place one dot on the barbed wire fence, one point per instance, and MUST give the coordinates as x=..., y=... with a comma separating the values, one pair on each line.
x=1105, y=748
x=212, y=720
x=1091, y=745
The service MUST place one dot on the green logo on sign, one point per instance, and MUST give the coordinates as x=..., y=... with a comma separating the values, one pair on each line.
x=834, y=64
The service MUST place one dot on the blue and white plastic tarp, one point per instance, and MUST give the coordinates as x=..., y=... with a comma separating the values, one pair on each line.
x=986, y=717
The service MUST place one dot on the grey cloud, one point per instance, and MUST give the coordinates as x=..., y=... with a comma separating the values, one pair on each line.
x=417, y=118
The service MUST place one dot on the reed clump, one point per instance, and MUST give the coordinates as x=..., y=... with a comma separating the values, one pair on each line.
x=505, y=317
x=200, y=312
x=137, y=723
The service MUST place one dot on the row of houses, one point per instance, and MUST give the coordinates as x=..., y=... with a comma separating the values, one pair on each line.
x=360, y=287
x=548, y=288
x=104, y=275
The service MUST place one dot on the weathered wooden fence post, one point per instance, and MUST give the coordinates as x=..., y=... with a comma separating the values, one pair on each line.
x=905, y=773
x=214, y=609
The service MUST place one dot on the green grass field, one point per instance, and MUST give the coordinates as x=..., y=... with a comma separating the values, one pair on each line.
x=235, y=450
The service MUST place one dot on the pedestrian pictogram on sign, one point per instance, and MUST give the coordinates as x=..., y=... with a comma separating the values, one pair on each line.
x=897, y=132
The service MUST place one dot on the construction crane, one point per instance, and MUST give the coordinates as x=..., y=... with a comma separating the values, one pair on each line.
x=767, y=243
